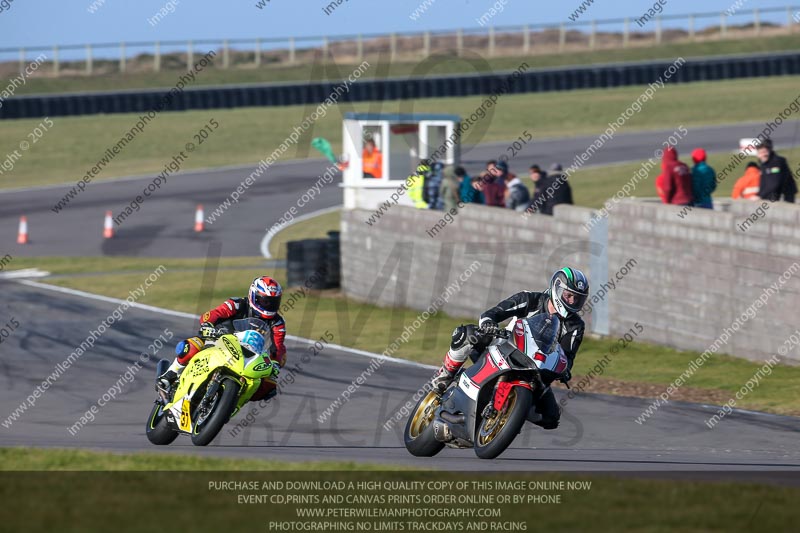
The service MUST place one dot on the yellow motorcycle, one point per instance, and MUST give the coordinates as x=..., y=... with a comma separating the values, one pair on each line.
x=212, y=388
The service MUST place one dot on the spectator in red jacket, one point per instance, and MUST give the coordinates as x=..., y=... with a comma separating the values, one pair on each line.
x=494, y=189
x=674, y=184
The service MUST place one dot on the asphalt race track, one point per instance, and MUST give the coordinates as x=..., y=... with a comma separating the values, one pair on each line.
x=163, y=227
x=598, y=433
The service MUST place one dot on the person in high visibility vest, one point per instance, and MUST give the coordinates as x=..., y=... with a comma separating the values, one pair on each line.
x=416, y=184
x=372, y=160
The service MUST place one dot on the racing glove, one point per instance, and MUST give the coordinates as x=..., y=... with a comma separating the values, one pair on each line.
x=209, y=330
x=490, y=328
x=276, y=368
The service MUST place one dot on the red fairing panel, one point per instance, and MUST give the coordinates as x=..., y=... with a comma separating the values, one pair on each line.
x=487, y=371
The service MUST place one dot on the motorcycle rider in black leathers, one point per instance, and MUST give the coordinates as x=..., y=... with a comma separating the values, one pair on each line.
x=568, y=291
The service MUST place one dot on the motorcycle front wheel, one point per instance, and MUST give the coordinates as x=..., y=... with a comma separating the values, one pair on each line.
x=418, y=436
x=210, y=421
x=496, y=433
x=157, y=430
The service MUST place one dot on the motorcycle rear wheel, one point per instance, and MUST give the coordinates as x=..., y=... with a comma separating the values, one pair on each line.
x=496, y=433
x=157, y=429
x=223, y=405
x=418, y=435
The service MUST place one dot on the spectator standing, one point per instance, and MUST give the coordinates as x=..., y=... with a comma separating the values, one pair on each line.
x=746, y=187
x=562, y=192
x=536, y=173
x=494, y=189
x=478, y=184
x=416, y=185
x=433, y=183
x=448, y=191
x=776, y=177
x=551, y=189
x=518, y=197
x=704, y=180
x=466, y=192
x=674, y=184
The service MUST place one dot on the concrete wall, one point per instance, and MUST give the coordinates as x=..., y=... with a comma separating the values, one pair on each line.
x=395, y=261
x=697, y=275
x=689, y=280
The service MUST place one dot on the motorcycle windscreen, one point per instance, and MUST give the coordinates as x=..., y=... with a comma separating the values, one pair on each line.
x=244, y=324
x=537, y=337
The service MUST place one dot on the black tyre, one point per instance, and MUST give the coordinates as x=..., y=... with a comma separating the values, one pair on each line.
x=418, y=435
x=157, y=429
x=495, y=434
x=219, y=413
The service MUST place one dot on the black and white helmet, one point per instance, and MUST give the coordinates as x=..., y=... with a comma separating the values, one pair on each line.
x=569, y=290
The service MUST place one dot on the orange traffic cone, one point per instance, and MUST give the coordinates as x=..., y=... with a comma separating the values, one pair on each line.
x=198, y=219
x=22, y=234
x=108, y=226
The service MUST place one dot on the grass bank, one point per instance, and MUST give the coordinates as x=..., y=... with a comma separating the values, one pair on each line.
x=73, y=145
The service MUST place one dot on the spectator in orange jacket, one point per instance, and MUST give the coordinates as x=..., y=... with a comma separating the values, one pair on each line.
x=746, y=187
x=372, y=160
x=674, y=184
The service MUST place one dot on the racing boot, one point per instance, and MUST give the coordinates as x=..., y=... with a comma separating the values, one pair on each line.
x=184, y=350
x=168, y=379
x=444, y=376
x=460, y=347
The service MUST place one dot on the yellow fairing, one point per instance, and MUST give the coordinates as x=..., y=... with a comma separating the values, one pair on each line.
x=226, y=353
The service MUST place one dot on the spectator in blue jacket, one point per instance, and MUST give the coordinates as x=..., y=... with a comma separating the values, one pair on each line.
x=704, y=180
x=478, y=183
x=466, y=191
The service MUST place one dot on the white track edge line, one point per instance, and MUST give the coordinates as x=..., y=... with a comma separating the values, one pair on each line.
x=180, y=314
x=269, y=235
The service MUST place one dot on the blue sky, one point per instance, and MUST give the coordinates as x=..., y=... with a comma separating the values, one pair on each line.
x=32, y=22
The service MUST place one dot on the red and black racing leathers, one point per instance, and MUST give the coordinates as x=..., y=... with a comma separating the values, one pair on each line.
x=236, y=308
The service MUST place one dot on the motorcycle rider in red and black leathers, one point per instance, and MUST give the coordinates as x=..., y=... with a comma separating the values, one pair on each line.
x=263, y=301
x=569, y=290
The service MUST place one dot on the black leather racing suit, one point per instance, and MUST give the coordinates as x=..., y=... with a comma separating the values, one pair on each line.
x=525, y=304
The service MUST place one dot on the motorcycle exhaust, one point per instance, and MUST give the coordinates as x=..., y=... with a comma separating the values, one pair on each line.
x=451, y=418
x=441, y=431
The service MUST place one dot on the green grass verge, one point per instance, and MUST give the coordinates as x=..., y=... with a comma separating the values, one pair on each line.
x=368, y=327
x=447, y=65
x=82, y=460
x=317, y=228
x=74, y=144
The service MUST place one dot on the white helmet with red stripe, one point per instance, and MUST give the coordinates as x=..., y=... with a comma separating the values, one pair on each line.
x=265, y=297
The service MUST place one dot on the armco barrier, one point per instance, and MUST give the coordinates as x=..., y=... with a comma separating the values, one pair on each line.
x=531, y=81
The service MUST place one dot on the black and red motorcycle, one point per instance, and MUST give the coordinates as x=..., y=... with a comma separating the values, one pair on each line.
x=488, y=403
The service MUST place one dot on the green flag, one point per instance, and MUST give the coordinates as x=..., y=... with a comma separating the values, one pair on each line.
x=324, y=147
